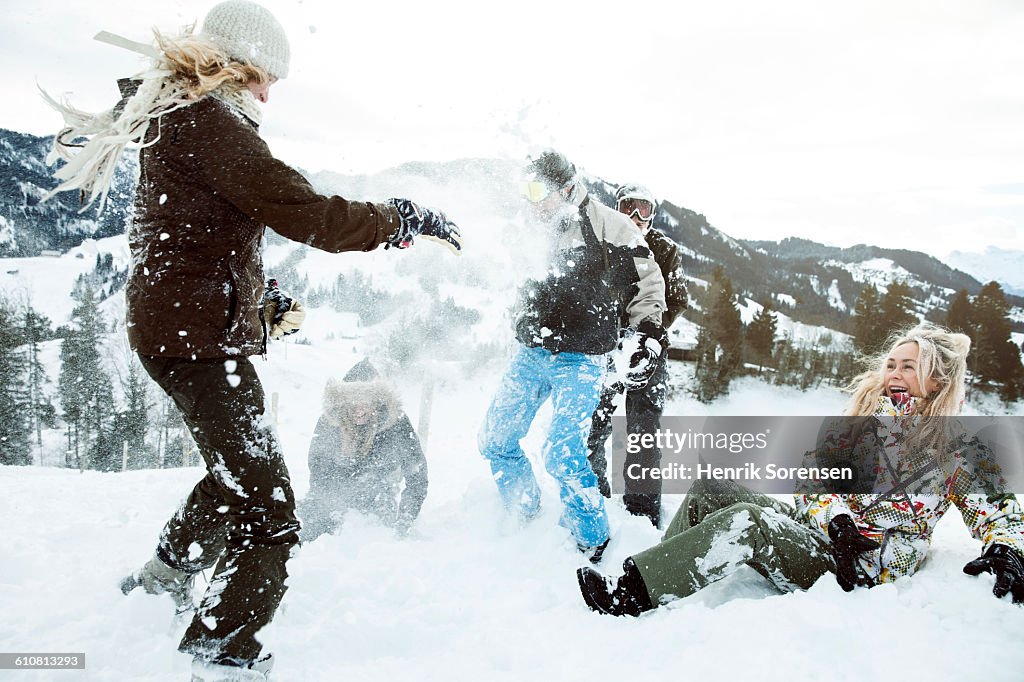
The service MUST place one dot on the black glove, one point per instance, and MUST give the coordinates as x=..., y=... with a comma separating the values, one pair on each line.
x=847, y=545
x=645, y=345
x=1006, y=564
x=417, y=220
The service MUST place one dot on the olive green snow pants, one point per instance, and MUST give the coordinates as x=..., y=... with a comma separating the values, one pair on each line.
x=722, y=526
x=240, y=516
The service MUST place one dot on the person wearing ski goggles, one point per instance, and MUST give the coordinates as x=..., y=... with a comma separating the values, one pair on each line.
x=646, y=391
x=566, y=321
x=640, y=209
x=546, y=196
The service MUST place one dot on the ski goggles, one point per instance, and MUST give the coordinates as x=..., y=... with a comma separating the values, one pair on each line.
x=535, y=191
x=641, y=208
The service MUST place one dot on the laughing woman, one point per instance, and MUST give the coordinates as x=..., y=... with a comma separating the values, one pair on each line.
x=863, y=539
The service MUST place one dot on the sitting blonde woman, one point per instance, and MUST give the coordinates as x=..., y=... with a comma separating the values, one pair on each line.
x=864, y=539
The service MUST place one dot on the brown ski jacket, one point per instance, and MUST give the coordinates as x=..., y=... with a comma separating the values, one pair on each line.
x=207, y=187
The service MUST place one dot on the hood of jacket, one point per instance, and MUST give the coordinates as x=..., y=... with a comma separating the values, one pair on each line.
x=340, y=397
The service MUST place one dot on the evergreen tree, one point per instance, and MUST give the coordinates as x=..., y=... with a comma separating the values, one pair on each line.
x=897, y=309
x=761, y=335
x=868, y=331
x=86, y=394
x=719, y=341
x=958, y=318
x=41, y=412
x=133, y=422
x=15, y=425
x=996, y=357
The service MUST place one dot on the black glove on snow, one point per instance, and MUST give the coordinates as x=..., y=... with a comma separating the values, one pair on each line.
x=1006, y=564
x=646, y=345
x=847, y=545
x=420, y=221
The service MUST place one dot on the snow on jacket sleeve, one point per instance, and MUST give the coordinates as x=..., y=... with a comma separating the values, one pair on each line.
x=406, y=445
x=322, y=447
x=227, y=154
x=993, y=519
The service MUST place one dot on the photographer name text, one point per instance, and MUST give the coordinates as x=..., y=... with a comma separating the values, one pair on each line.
x=746, y=472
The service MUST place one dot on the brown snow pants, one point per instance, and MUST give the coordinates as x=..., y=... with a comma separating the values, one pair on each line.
x=240, y=516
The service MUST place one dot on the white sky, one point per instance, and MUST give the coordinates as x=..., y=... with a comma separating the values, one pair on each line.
x=899, y=124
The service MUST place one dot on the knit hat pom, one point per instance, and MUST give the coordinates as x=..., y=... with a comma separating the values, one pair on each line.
x=249, y=33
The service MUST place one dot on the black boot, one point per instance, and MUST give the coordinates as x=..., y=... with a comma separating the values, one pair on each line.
x=627, y=597
x=595, y=554
x=647, y=505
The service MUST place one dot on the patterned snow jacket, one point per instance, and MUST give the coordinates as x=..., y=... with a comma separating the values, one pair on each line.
x=902, y=522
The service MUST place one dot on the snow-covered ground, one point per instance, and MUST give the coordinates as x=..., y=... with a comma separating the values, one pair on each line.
x=470, y=596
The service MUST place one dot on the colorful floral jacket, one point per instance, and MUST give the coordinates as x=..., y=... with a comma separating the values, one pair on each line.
x=902, y=522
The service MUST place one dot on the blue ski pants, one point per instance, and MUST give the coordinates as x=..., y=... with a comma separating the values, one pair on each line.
x=573, y=382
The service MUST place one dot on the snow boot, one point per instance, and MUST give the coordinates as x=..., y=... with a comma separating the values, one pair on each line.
x=156, y=577
x=626, y=597
x=204, y=670
x=595, y=554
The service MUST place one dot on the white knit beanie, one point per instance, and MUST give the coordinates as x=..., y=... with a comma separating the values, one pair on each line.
x=249, y=33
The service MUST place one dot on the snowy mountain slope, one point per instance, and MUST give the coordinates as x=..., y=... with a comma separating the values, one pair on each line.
x=799, y=333
x=28, y=227
x=1005, y=266
x=470, y=596
x=826, y=280
x=47, y=281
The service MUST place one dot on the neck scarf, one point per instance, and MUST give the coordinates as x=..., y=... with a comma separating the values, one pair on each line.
x=241, y=101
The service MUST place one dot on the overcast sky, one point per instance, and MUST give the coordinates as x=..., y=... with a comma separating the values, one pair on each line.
x=898, y=123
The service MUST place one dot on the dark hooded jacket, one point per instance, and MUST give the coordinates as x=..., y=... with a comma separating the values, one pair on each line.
x=354, y=467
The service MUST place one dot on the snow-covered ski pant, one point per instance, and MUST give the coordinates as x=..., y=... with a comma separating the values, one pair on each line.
x=643, y=415
x=721, y=527
x=573, y=382
x=240, y=516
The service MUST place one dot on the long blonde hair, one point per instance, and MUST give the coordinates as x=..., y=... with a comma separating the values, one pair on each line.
x=201, y=66
x=941, y=357
x=183, y=70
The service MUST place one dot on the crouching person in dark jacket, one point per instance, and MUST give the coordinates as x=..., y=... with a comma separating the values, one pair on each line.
x=363, y=447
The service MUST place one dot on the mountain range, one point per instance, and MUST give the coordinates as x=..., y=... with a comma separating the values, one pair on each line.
x=810, y=282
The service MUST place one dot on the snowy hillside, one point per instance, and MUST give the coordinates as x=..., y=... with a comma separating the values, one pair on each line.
x=47, y=281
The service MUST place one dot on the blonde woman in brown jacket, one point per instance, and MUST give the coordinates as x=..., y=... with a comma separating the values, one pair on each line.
x=208, y=185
